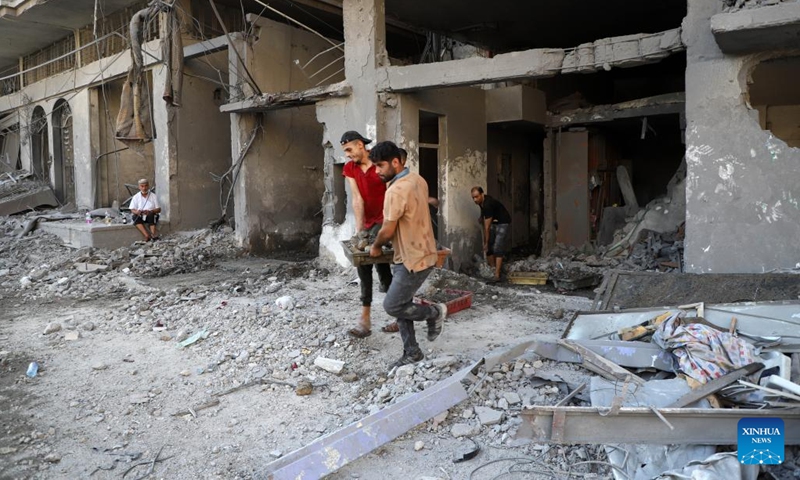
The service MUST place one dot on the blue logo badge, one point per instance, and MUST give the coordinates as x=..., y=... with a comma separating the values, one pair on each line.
x=761, y=441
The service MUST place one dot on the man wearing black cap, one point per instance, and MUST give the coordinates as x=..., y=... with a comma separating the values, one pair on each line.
x=367, y=190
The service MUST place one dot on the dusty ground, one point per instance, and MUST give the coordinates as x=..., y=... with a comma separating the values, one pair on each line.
x=105, y=401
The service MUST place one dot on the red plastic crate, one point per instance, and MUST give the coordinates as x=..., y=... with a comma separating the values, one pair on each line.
x=462, y=301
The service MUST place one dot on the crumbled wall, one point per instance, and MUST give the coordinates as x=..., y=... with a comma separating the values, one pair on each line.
x=462, y=160
x=742, y=201
x=281, y=181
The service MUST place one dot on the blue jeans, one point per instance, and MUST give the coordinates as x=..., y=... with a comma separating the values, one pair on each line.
x=399, y=303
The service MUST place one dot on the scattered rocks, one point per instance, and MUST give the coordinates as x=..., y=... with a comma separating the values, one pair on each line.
x=419, y=445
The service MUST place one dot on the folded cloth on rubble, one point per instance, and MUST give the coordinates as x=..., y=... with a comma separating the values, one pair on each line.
x=702, y=352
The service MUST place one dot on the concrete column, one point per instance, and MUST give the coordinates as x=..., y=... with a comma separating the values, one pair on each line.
x=241, y=124
x=165, y=149
x=365, y=52
x=25, y=140
x=84, y=113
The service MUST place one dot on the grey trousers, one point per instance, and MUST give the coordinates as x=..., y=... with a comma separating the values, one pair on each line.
x=399, y=303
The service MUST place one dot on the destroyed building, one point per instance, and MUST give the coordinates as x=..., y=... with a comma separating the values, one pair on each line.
x=656, y=136
x=575, y=116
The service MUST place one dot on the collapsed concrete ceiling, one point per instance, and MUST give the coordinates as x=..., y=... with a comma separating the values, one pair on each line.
x=505, y=25
x=44, y=23
x=500, y=25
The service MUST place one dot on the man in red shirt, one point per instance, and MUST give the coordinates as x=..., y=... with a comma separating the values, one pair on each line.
x=367, y=190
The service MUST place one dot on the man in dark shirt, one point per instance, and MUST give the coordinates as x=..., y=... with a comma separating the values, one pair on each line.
x=496, y=229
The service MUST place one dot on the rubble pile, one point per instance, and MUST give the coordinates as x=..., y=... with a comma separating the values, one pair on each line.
x=657, y=251
x=566, y=263
x=40, y=266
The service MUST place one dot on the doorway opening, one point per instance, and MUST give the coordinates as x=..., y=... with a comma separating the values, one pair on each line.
x=514, y=177
x=63, y=158
x=774, y=93
x=429, y=149
x=40, y=145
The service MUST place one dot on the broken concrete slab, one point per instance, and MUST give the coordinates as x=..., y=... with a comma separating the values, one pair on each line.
x=489, y=416
x=42, y=196
x=759, y=29
x=99, y=235
x=627, y=290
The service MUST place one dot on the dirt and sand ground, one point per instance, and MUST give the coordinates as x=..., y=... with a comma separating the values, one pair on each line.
x=115, y=389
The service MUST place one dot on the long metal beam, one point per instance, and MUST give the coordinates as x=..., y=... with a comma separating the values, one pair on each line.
x=692, y=426
x=331, y=452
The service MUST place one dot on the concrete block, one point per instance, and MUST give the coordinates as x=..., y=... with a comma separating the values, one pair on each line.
x=79, y=234
x=671, y=39
x=626, y=50
x=650, y=46
x=603, y=53
x=512, y=398
x=329, y=365
x=464, y=430
x=515, y=103
x=489, y=416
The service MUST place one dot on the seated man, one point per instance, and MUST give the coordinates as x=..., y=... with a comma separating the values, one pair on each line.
x=145, y=210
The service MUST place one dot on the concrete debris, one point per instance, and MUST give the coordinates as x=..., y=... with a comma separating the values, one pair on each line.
x=464, y=430
x=489, y=416
x=329, y=365
x=52, y=328
x=72, y=336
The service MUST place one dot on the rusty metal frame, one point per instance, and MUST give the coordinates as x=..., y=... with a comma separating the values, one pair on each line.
x=692, y=426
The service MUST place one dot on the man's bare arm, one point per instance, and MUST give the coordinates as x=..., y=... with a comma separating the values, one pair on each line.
x=487, y=223
x=385, y=234
x=358, y=204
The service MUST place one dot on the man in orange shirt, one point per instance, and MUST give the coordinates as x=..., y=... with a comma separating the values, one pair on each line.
x=407, y=224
